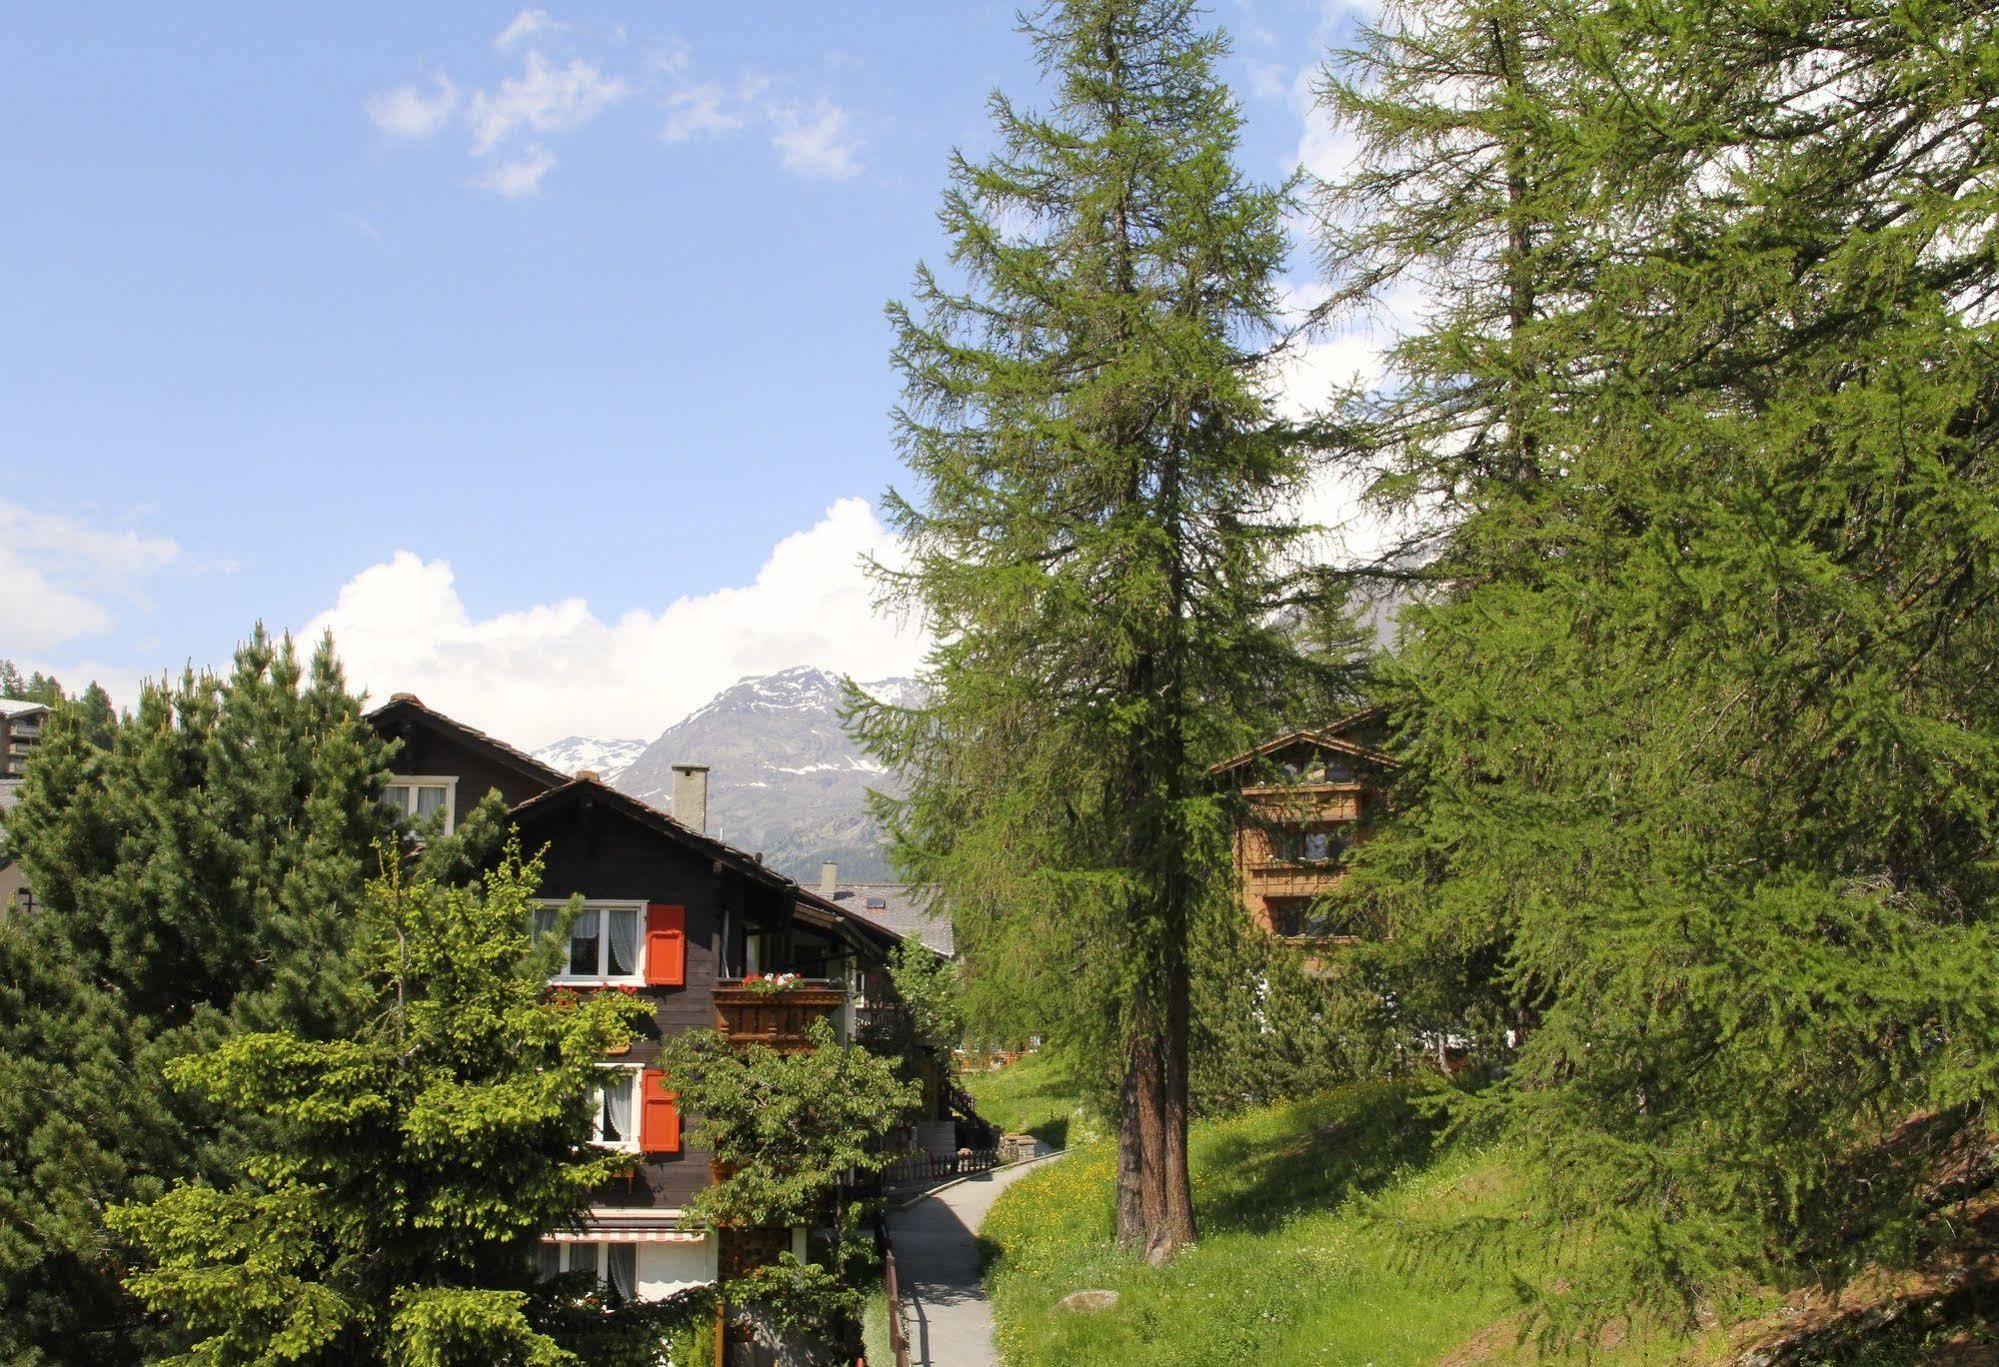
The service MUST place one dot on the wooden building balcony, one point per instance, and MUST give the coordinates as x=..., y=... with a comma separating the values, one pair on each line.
x=778, y=1020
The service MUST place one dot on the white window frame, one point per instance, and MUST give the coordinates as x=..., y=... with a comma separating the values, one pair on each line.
x=411, y=782
x=630, y=1144
x=565, y=1258
x=635, y=978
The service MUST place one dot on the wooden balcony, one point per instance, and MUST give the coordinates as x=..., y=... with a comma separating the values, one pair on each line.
x=778, y=1020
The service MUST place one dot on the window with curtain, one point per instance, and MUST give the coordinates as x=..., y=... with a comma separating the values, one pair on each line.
x=606, y=941
x=584, y=945
x=621, y=1269
x=612, y=1265
x=621, y=942
x=423, y=800
x=616, y=1121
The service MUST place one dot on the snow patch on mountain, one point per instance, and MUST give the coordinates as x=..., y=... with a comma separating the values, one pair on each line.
x=607, y=758
x=896, y=692
x=784, y=777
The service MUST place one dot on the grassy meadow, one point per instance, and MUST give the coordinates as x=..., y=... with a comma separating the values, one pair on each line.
x=1288, y=1269
x=1034, y=1096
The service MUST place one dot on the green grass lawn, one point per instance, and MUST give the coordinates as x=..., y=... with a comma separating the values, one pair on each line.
x=1033, y=1096
x=1287, y=1269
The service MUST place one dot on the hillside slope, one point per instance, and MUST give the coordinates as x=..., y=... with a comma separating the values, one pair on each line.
x=1293, y=1267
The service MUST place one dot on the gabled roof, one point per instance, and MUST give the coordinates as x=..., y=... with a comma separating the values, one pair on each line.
x=558, y=788
x=572, y=789
x=813, y=907
x=20, y=707
x=1332, y=737
x=408, y=704
x=808, y=905
x=908, y=909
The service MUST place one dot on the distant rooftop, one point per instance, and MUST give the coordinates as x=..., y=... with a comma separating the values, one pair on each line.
x=908, y=909
x=20, y=707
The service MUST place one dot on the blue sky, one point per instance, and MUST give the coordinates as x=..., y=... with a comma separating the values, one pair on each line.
x=539, y=352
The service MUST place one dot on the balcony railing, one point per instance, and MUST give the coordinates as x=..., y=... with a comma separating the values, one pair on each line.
x=782, y=1019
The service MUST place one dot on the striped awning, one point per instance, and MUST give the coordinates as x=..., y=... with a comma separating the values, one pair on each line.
x=631, y=1232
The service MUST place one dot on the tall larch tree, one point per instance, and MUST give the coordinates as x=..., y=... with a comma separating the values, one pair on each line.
x=1697, y=835
x=1100, y=538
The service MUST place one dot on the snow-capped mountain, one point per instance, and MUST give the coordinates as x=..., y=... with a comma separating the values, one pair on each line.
x=783, y=778
x=573, y=754
x=895, y=692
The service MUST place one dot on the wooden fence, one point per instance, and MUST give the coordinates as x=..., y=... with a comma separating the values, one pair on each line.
x=898, y=1342
x=916, y=1168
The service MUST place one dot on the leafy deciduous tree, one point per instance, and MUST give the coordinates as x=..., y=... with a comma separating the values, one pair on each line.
x=409, y=1170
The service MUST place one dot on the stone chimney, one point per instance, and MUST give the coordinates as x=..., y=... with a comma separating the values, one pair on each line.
x=829, y=879
x=690, y=796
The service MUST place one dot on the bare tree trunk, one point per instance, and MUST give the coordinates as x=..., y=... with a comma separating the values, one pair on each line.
x=1177, y=1228
x=1131, y=1228
x=1141, y=1188
x=1152, y=1140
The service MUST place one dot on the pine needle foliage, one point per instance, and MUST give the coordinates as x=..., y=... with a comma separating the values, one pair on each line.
x=409, y=1170
x=1702, y=785
x=198, y=867
x=1101, y=539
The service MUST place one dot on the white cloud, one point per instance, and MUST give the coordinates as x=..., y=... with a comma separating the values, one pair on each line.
x=815, y=142
x=705, y=110
x=543, y=98
x=511, y=122
x=521, y=177
x=538, y=673
x=673, y=56
x=407, y=112
x=58, y=576
x=526, y=24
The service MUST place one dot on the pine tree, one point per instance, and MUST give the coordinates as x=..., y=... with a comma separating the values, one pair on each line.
x=198, y=875
x=1702, y=761
x=1101, y=543
x=405, y=1174
x=34, y=686
x=81, y=1125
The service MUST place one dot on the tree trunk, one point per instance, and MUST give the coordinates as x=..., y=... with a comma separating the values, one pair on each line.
x=1141, y=1189
x=1177, y=1228
x=1131, y=1227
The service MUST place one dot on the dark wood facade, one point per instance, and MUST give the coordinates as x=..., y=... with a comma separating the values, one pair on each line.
x=432, y=744
x=736, y=915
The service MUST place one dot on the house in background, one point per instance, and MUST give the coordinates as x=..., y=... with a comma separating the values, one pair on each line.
x=914, y=912
x=1307, y=797
x=911, y=910
x=14, y=893
x=677, y=917
x=20, y=732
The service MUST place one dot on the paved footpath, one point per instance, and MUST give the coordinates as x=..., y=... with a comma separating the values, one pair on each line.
x=944, y=1307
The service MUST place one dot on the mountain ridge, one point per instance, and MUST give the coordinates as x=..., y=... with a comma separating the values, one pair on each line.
x=784, y=779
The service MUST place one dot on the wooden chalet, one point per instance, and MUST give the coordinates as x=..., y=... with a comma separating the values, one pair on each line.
x=1308, y=796
x=676, y=916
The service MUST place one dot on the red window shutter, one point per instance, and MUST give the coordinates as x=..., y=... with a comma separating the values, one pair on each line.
x=666, y=945
x=659, y=1115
